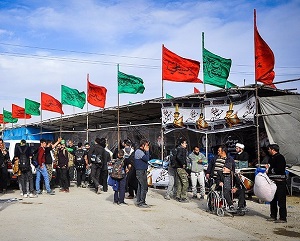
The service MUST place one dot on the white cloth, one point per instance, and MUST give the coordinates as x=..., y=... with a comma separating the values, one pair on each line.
x=264, y=187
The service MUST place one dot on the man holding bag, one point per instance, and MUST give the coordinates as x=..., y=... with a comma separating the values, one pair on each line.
x=276, y=172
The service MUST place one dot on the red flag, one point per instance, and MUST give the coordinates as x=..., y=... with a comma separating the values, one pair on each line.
x=50, y=103
x=1, y=119
x=96, y=95
x=176, y=68
x=19, y=112
x=196, y=91
x=264, y=59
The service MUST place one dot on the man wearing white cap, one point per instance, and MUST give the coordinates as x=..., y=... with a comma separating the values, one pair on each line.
x=241, y=155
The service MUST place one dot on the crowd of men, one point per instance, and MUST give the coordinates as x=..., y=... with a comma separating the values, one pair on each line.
x=88, y=166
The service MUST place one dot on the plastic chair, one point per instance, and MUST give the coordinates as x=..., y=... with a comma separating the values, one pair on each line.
x=295, y=183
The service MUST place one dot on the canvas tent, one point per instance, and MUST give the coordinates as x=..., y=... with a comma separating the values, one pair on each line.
x=281, y=115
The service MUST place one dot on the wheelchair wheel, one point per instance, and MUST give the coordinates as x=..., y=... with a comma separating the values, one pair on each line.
x=213, y=201
x=220, y=212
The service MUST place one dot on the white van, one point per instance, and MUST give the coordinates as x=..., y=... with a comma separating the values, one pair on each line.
x=11, y=145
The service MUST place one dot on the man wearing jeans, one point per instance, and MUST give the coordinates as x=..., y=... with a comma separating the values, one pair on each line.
x=42, y=170
x=197, y=160
x=141, y=158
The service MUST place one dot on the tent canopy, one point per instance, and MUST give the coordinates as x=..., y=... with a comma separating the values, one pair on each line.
x=281, y=115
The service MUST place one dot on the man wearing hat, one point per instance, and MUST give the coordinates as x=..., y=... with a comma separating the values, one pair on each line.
x=241, y=155
x=232, y=185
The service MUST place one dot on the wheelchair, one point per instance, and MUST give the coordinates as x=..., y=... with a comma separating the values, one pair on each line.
x=217, y=204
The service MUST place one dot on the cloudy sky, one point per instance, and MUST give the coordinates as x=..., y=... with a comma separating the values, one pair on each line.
x=44, y=44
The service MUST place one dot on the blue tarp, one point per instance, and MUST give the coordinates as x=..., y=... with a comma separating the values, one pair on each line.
x=26, y=133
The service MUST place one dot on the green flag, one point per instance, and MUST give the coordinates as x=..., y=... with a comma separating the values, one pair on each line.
x=72, y=97
x=7, y=117
x=130, y=84
x=169, y=96
x=32, y=107
x=216, y=70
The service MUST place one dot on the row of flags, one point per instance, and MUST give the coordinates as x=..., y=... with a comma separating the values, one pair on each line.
x=175, y=68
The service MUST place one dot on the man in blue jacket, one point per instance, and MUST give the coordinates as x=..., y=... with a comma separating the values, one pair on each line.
x=141, y=158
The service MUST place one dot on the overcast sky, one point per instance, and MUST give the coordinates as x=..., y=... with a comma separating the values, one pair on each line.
x=44, y=44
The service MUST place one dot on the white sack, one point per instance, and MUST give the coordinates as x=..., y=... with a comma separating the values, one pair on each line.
x=264, y=188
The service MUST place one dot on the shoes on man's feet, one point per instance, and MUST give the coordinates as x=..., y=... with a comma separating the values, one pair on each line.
x=231, y=209
x=201, y=196
x=178, y=199
x=99, y=189
x=143, y=205
x=25, y=195
x=31, y=195
x=280, y=221
x=184, y=200
x=129, y=197
x=167, y=197
x=51, y=192
x=271, y=219
x=123, y=204
x=194, y=197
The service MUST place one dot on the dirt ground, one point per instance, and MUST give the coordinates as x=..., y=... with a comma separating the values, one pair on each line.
x=83, y=215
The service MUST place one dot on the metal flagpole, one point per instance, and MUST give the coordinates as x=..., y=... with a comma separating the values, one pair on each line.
x=162, y=99
x=41, y=130
x=60, y=128
x=118, y=110
x=256, y=97
x=204, y=87
x=87, y=110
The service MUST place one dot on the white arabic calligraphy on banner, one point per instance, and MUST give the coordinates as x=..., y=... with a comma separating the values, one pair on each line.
x=210, y=117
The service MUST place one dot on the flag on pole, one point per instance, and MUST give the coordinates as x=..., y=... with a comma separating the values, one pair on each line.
x=19, y=112
x=196, y=91
x=49, y=103
x=32, y=107
x=1, y=119
x=7, y=117
x=216, y=70
x=178, y=69
x=130, y=84
x=96, y=95
x=264, y=59
x=169, y=96
x=72, y=97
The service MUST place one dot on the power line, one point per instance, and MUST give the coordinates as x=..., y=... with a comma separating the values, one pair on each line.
x=79, y=52
x=75, y=60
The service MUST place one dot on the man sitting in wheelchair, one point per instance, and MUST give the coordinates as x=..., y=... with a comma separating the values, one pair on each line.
x=231, y=185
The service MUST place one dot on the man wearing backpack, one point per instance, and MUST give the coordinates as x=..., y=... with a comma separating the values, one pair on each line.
x=95, y=157
x=23, y=155
x=42, y=170
x=80, y=163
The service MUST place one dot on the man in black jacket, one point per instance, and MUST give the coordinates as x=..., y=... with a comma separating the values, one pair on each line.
x=182, y=176
x=276, y=172
x=96, y=156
